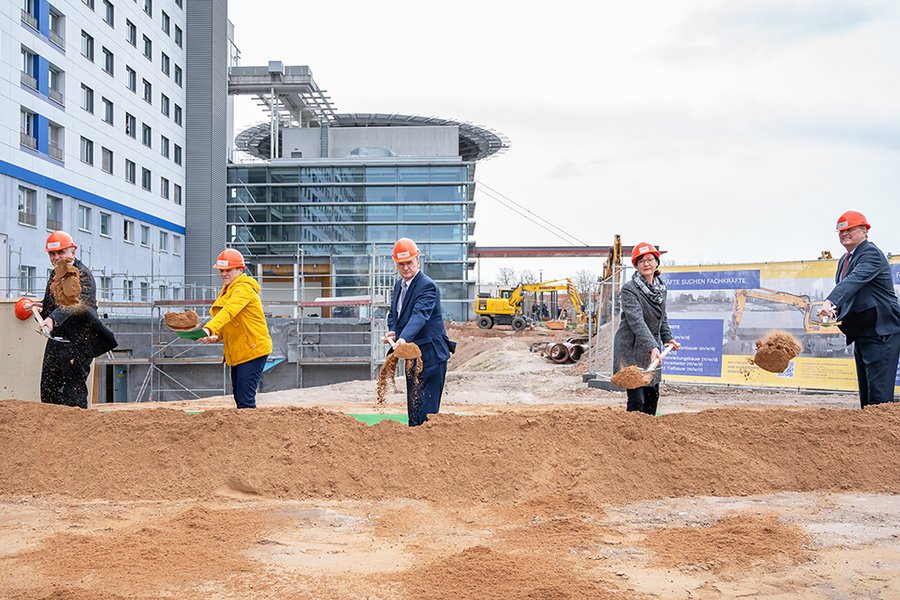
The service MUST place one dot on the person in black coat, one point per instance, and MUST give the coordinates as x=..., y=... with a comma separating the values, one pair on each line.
x=67, y=364
x=416, y=317
x=644, y=328
x=864, y=302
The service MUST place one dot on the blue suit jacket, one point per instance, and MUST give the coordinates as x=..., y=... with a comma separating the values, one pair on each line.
x=867, y=285
x=420, y=320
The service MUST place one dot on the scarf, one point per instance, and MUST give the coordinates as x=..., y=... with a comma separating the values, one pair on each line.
x=655, y=293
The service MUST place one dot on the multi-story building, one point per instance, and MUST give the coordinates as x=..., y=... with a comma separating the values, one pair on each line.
x=92, y=141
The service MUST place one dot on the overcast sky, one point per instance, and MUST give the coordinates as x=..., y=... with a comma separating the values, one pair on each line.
x=724, y=131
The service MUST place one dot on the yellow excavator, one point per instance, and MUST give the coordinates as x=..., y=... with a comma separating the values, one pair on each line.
x=506, y=307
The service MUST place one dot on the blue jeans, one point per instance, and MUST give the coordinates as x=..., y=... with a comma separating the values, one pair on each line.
x=245, y=379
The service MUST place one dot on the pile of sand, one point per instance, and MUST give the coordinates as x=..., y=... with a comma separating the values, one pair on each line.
x=66, y=284
x=775, y=351
x=182, y=321
x=631, y=378
x=288, y=452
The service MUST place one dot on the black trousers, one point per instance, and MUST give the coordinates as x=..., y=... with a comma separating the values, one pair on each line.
x=426, y=400
x=64, y=374
x=245, y=380
x=643, y=399
x=876, y=367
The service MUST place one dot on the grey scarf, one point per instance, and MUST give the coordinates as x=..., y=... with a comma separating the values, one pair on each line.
x=655, y=293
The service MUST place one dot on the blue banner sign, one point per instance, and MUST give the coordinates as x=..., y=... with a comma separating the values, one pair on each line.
x=712, y=280
x=701, y=348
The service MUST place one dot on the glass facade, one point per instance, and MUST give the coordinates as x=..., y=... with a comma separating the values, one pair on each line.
x=340, y=215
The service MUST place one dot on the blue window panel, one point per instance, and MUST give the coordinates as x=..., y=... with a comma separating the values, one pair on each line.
x=381, y=194
x=381, y=174
x=414, y=174
x=414, y=193
x=448, y=174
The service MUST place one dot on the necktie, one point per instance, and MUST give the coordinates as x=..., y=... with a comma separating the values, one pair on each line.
x=844, y=266
x=403, y=288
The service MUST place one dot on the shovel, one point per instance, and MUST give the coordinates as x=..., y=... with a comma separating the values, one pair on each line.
x=43, y=330
x=655, y=362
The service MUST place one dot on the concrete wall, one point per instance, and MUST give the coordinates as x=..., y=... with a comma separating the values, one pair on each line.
x=305, y=140
x=421, y=142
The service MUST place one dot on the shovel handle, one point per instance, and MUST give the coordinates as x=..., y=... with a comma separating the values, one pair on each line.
x=392, y=343
x=40, y=321
x=655, y=362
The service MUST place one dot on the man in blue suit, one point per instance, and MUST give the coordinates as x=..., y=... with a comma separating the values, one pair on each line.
x=415, y=317
x=865, y=303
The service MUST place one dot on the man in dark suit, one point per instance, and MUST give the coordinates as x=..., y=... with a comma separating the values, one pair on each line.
x=865, y=303
x=415, y=317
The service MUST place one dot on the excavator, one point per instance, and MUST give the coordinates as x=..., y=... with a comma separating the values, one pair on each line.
x=818, y=338
x=506, y=308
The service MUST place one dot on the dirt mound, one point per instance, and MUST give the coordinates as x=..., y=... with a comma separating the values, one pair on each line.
x=289, y=452
x=182, y=321
x=482, y=573
x=733, y=544
x=66, y=284
x=775, y=351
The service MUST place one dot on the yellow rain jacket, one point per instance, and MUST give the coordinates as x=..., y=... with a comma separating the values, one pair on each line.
x=238, y=320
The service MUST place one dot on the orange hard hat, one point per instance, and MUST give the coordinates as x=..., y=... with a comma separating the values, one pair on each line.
x=405, y=249
x=851, y=219
x=230, y=259
x=59, y=240
x=22, y=313
x=642, y=249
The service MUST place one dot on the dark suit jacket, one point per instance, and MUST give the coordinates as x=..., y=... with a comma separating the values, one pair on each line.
x=420, y=320
x=865, y=299
x=80, y=324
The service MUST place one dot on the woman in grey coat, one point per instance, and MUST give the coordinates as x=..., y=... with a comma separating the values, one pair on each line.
x=644, y=328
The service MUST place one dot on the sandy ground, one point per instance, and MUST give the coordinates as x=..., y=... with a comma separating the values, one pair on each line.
x=538, y=487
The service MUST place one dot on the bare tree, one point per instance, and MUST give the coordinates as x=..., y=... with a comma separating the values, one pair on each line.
x=506, y=277
x=586, y=284
x=526, y=276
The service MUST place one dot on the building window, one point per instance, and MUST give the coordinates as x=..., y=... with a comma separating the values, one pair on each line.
x=54, y=213
x=177, y=75
x=145, y=235
x=87, y=98
x=131, y=33
x=131, y=78
x=148, y=48
x=27, y=207
x=128, y=290
x=164, y=187
x=130, y=125
x=27, y=276
x=27, y=77
x=176, y=244
x=87, y=151
x=163, y=241
x=109, y=13
x=148, y=91
x=89, y=4
x=148, y=7
x=176, y=194
x=146, y=182
x=29, y=14
x=105, y=224
x=57, y=28
x=55, y=141
x=108, y=61
x=84, y=217
x=164, y=63
x=105, y=282
x=145, y=291
x=57, y=77
x=177, y=115
x=87, y=46
x=107, y=159
x=177, y=154
x=164, y=104
x=179, y=36
x=108, y=111
x=146, y=135
x=166, y=22
x=164, y=146
x=130, y=169
x=27, y=135
x=128, y=230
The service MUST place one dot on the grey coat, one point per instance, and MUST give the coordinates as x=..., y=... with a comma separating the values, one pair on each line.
x=644, y=327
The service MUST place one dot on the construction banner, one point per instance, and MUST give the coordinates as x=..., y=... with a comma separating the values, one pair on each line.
x=717, y=312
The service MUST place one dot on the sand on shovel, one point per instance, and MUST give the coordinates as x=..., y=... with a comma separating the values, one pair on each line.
x=775, y=351
x=66, y=285
x=631, y=378
x=182, y=321
x=407, y=351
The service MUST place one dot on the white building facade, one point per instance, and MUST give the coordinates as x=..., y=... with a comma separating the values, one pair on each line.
x=92, y=141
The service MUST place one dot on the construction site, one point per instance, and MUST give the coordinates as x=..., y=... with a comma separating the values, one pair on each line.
x=532, y=482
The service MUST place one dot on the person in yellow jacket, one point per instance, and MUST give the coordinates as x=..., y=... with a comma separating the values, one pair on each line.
x=238, y=321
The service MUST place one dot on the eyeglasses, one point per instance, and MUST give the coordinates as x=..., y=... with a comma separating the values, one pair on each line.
x=647, y=261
